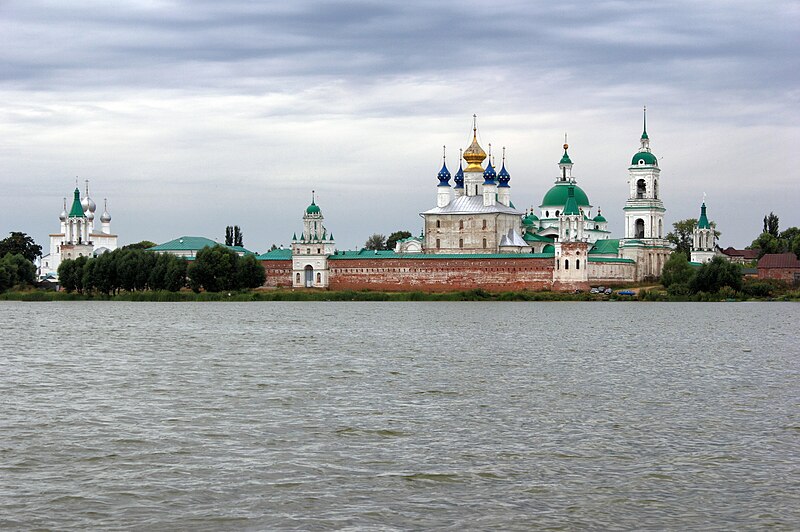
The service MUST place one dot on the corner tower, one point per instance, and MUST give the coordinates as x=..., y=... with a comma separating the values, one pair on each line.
x=311, y=251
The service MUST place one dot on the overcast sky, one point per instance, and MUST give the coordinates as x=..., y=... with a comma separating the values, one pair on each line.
x=190, y=116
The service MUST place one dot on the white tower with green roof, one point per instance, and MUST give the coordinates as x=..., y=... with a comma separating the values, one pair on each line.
x=703, y=238
x=311, y=251
x=644, y=213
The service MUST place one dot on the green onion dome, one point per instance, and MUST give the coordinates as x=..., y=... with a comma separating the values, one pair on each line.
x=646, y=157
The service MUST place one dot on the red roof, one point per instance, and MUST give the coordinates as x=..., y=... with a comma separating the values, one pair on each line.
x=747, y=254
x=779, y=260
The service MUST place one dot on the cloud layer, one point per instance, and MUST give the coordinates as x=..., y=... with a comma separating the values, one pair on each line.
x=192, y=116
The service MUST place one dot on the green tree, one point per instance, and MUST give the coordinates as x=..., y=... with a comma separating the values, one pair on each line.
x=716, y=274
x=771, y=224
x=677, y=270
x=234, y=236
x=21, y=244
x=766, y=243
x=250, y=272
x=681, y=235
x=213, y=269
x=375, y=242
x=394, y=237
x=175, y=276
x=70, y=274
x=15, y=269
x=144, y=244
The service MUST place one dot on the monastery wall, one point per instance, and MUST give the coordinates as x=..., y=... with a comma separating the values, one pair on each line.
x=442, y=274
x=278, y=273
x=611, y=273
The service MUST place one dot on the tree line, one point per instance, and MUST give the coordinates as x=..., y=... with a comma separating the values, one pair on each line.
x=17, y=253
x=132, y=269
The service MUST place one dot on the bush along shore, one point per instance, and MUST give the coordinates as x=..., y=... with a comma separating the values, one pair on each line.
x=758, y=290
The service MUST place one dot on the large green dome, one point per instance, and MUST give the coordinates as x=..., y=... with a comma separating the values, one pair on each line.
x=645, y=156
x=557, y=196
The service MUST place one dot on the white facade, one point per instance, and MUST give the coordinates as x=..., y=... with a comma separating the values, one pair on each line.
x=704, y=241
x=78, y=235
x=311, y=251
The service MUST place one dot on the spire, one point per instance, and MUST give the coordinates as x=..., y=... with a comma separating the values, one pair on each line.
x=489, y=174
x=459, y=179
x=444, y=173
x=474, y=154
x=77, y=209
x=504, y=177
x=105, y=217
x=313, y=209
x=702, y=222
x=644, y=123
x=565, y=158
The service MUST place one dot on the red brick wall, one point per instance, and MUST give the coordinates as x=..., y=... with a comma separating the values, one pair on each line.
x=279, y=273
x=441, y=274
x=783, y=274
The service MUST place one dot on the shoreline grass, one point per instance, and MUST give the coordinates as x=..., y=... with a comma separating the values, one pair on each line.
x=652, y=294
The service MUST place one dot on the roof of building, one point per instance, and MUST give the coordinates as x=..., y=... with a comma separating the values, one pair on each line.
x=779, y=260
x=313, y=208
x=571, y=205
x=609, y=259
x=532, y=237
x=645, y=156
x=471, y=205
x=557, y=195
x=276, y=254
x=512, y=238
x=193, y=243
x=605, y=247
x=747, y=254
x=77, y=208
x=702, y=222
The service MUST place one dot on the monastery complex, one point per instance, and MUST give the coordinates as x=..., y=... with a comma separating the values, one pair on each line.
x=474, y=237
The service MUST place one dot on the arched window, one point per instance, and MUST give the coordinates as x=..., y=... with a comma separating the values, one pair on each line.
x=437, y=243
x=660, y=229
x=484, y=226
x=298, y=278
x=461, y=242
x=547, y=214
x=484, y=243
x=639, y=233
x=557, y=213
x=655, y=189
x=577, y=264
x=438, y=223
x=641, y=189
x=319, y=278
x=461, y=224
x=566, y=264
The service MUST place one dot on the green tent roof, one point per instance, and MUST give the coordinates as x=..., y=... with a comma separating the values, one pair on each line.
x=77, y=209
x=557, y=196
x=571, y=206
x=702, y=222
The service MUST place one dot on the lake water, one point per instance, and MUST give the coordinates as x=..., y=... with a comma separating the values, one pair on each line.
x=318, y=416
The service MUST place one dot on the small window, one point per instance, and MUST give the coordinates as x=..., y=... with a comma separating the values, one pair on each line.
x=557, y=213
x=547, y=214
x=577, y=264
x=298, y=278
x=484, y=226
x=566, y=264
x=319, y=278
x=461, y=242
x=438, y=223
x=484, y=242
x=319, y=251
x=437, y=244
x=461, y=224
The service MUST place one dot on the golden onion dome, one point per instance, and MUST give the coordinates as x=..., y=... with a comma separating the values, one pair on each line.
x=474, y=155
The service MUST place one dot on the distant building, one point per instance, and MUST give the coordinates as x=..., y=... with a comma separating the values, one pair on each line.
x=704, y=240
x=188, y=246
x=78, y=236
x=781, y=266
x=739, y=256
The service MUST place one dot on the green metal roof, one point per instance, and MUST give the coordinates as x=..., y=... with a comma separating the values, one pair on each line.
x=646, y=156
x=571, y=206
x=530, y=237
x=605, y=247
x=557, y=196
x=565, y=158
x=194, y=243
x=606, y=259
x=77, y=209
x=702, y=222
x=276, y=254
x=312, y=209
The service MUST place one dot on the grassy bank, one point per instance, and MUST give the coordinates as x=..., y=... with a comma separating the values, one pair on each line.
x=652, y=294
